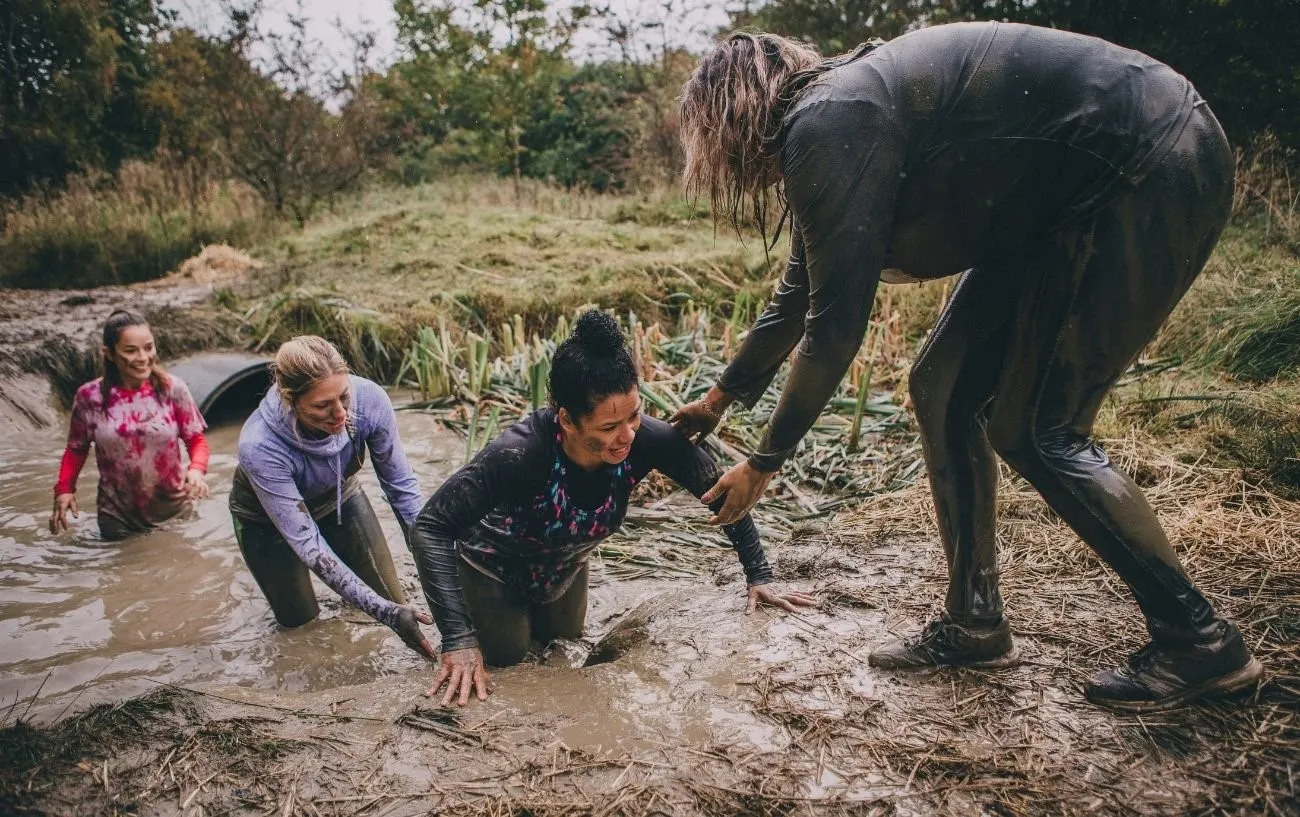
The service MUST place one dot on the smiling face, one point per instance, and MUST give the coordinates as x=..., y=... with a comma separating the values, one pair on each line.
x=603, y=437
x=324, y=407
x=134, y=355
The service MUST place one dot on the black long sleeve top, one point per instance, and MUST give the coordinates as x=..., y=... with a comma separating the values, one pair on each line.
x=942, y=150
x=526, y=514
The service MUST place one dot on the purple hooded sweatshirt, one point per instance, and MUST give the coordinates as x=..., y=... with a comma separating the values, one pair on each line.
x=297, y=478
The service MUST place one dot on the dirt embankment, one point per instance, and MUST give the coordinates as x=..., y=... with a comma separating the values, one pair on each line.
x=54, y=334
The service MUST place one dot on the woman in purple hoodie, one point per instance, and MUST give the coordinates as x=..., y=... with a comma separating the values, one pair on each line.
x=296, y=500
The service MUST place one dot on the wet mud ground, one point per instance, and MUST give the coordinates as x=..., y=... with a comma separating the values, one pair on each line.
x=148, y=677
x=699, y=709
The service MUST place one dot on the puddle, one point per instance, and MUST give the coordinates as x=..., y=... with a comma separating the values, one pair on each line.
x=86, y=621
x=705, y=710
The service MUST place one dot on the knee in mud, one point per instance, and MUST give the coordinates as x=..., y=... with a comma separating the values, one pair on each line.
x=1025, y=450
x=929, y=401
x=294, y=621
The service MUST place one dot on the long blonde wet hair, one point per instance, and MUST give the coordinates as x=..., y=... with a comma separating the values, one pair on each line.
x=731, y=113
x=302, y=362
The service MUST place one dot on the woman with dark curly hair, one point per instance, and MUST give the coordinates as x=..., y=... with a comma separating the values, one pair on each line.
x=502, y=546
x=1078, y=188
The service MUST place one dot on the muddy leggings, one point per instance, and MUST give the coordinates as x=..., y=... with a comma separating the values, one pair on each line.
x=1021, y=359
x=506, y=625
x=284, y=579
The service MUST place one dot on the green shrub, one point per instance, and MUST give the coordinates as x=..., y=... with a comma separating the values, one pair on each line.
x=135, y=226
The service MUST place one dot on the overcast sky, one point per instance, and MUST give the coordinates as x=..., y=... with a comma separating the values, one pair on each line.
x=687, y=28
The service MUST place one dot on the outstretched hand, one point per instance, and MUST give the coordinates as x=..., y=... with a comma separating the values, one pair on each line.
x=773, y=595
x=463, y=672
x=742, y=485
x=407, y=626
x=696, y=420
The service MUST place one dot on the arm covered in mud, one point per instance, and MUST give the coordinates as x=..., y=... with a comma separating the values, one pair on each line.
x=672, y=453
x=841, y=163
x=774, y=335
x=490, y=479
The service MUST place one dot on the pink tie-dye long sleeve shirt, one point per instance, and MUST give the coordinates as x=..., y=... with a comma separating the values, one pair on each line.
x=137, y=438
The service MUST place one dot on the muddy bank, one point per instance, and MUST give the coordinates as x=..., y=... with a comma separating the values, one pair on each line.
x=699, y=710
x=54, y=334
x=713, y=712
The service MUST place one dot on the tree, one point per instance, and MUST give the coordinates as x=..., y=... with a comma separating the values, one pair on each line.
x=582, y=136
x=472, y=75
x=649, y=37
x=61, y=62
x=270, y=118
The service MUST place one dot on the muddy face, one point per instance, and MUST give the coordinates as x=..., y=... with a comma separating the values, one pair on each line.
x=324, y=407
x=605, y=436
x=134, y=355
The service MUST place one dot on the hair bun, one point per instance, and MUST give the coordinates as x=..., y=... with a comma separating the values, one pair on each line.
x=598, y=333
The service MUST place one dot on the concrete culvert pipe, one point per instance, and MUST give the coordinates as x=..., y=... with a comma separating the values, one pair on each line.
x=225, y=385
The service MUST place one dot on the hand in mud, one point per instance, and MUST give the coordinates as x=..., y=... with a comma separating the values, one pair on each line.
x=699, y=418
x=407, y=627
x=63, y=503
x=196, y=485
x=772, y=594
x=463, y=672
x=743, y=485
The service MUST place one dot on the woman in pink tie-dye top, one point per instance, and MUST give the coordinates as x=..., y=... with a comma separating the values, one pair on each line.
x=137, y=416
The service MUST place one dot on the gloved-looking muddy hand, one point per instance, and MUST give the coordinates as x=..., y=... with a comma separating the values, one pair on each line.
x=463, y=672
x=407, y=626
x=699, y=418
x=776, y=596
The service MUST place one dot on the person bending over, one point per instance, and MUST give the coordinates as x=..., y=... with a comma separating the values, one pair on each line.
x=296, y=499
x=1078, y=188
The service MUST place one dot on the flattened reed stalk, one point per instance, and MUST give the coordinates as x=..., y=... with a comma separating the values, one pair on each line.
x=29, y=754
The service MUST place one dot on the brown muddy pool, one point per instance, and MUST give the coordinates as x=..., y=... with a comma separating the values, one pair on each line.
x=87, y=621
x=84, y=621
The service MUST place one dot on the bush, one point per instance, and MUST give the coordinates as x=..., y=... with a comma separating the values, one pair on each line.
x=135, y=226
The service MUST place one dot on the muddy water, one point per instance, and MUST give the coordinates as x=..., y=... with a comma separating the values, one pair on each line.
x=85, y=621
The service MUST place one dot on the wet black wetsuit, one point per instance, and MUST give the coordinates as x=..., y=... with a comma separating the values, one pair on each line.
x=1080, y=188
x=525, y=518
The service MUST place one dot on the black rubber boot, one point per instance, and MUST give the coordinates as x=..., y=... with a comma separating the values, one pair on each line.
x=945, y=644
x=1156, y=678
